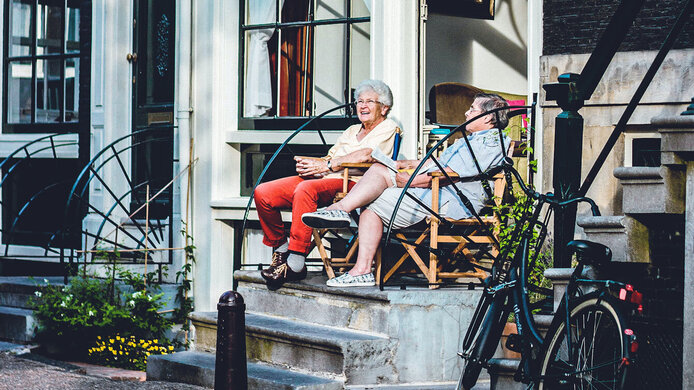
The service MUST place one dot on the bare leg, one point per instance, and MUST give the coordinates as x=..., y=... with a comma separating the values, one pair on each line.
x=371, y=186
x=370, y=232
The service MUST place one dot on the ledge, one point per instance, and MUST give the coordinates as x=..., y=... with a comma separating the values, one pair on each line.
x=308, y=137
x=232, y=209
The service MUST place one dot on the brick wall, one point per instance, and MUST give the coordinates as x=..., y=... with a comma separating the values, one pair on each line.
x=575, y=26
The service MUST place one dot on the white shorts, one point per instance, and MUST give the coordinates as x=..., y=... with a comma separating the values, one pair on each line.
x=409, y=212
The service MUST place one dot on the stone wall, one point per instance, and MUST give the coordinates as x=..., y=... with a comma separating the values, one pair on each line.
x=575, y=26
x=670, y=92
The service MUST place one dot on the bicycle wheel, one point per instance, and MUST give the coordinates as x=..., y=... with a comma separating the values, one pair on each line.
x=482, y=338
x=599, y=347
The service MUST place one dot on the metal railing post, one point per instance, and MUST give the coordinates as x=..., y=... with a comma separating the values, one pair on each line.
x=230, y=370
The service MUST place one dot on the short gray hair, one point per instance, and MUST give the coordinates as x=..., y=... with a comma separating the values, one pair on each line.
x=385, y=96
x=491, y=101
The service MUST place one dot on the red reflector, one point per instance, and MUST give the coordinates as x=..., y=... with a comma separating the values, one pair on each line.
x=636, y=297
x=640, y=309
x=634, y=347
x=628, y=332
x=622, y=294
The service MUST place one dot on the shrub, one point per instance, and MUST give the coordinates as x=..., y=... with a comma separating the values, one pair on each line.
x=71, y=318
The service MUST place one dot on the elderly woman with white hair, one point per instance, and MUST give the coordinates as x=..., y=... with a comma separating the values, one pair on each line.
x=317, y=182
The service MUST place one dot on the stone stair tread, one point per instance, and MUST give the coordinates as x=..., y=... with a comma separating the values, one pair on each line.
x=198, y=368
x=316, y=282
x=15, y=311
x=302, y=331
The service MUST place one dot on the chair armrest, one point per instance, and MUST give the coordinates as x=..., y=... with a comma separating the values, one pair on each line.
x=440, y=174
x=356, y=165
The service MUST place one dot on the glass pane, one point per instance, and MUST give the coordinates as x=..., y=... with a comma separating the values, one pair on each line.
x=331, y=9
x=72, y=89
x=19, y=92
x=49, y=26
x=260, y=11
x=295, y=11
x=329, y=87
x=20, y=26
x=72, y=30
x=359, y=54
x=295, y=72
x=157, y=57
x=49, y=91
x=260, y=72
x=359, y=8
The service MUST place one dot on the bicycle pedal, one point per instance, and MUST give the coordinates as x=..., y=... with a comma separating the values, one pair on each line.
x=514, y=342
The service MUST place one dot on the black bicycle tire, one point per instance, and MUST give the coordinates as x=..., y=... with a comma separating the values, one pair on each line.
x=556, y=333
x=485, y=343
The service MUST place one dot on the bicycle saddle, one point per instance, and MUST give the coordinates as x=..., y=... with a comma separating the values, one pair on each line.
x=590, y=253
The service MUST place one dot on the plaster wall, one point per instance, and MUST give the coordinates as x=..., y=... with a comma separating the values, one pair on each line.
x=669, y=93
x=489, y=54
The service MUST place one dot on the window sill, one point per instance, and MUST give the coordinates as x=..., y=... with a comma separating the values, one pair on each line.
x=11, y=142
x=307, y=137
x=230, y=210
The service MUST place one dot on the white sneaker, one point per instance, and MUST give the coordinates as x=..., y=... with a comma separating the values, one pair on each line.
x=347, y=280
x=326, y=219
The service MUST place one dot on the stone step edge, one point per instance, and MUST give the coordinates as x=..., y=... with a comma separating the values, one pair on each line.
x=283, y=328
x=254, y=278
x=203, y=364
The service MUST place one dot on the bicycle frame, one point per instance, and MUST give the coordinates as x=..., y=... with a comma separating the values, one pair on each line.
x=511, y=288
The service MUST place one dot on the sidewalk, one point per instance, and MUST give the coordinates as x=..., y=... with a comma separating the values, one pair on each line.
x=27, y=373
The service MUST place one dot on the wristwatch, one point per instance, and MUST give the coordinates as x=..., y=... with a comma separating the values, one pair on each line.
x=330, y=165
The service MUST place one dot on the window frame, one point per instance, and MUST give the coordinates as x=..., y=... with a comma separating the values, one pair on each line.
x=33, y=126
x=275, y=122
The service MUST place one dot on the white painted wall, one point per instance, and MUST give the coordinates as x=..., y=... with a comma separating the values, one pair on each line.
x=489, y=54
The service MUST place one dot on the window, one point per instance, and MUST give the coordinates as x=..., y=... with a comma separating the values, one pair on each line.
x=300, y=58
x=41, y=65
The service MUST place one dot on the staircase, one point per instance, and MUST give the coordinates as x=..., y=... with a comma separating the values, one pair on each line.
x=16, y=320
x=310, y=336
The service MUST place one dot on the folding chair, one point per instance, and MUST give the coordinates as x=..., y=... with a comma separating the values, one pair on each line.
x=352, y=243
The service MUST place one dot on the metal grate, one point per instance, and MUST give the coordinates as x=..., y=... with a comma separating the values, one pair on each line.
x=659, y=360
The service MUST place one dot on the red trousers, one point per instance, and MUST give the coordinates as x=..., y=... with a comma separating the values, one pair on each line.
x=301, y=196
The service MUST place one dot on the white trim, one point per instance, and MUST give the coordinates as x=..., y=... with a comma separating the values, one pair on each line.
x=629, y=144
x=277, y=137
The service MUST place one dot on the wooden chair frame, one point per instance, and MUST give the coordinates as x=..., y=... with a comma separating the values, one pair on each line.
x=479, y=233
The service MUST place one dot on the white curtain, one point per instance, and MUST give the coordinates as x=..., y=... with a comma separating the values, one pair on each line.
x=258, y=99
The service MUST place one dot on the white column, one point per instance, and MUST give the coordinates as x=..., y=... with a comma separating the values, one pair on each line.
x=688, y=317
x=395, y=60
x=534, y=53
x=214, y=70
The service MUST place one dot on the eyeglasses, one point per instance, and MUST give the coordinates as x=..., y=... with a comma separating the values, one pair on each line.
x=369, y=102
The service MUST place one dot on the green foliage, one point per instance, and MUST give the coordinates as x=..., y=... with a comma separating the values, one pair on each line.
x=185, y=302
x=127, y=352
x=511, y=213
x=72, y=317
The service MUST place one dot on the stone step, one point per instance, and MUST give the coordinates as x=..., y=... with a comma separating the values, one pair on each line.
x=360, y=308
x=197, y=368
x=652, y=190
x=357, y=357
x=17, y=291
x=627, y=237
x=501, y=372
x=422, y=326
x=16, y=324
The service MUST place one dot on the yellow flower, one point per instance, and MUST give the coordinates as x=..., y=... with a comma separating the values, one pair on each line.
x=170, y=347
x=156, y=341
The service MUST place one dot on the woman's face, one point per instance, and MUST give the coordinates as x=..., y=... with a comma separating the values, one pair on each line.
x=369, y=110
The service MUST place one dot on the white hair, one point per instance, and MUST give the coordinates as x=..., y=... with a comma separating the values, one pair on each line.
x=385, y=96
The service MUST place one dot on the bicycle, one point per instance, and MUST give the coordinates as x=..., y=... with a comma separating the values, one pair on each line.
x=589, y=343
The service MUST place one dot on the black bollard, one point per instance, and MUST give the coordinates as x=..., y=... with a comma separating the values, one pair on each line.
x=230, y=366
